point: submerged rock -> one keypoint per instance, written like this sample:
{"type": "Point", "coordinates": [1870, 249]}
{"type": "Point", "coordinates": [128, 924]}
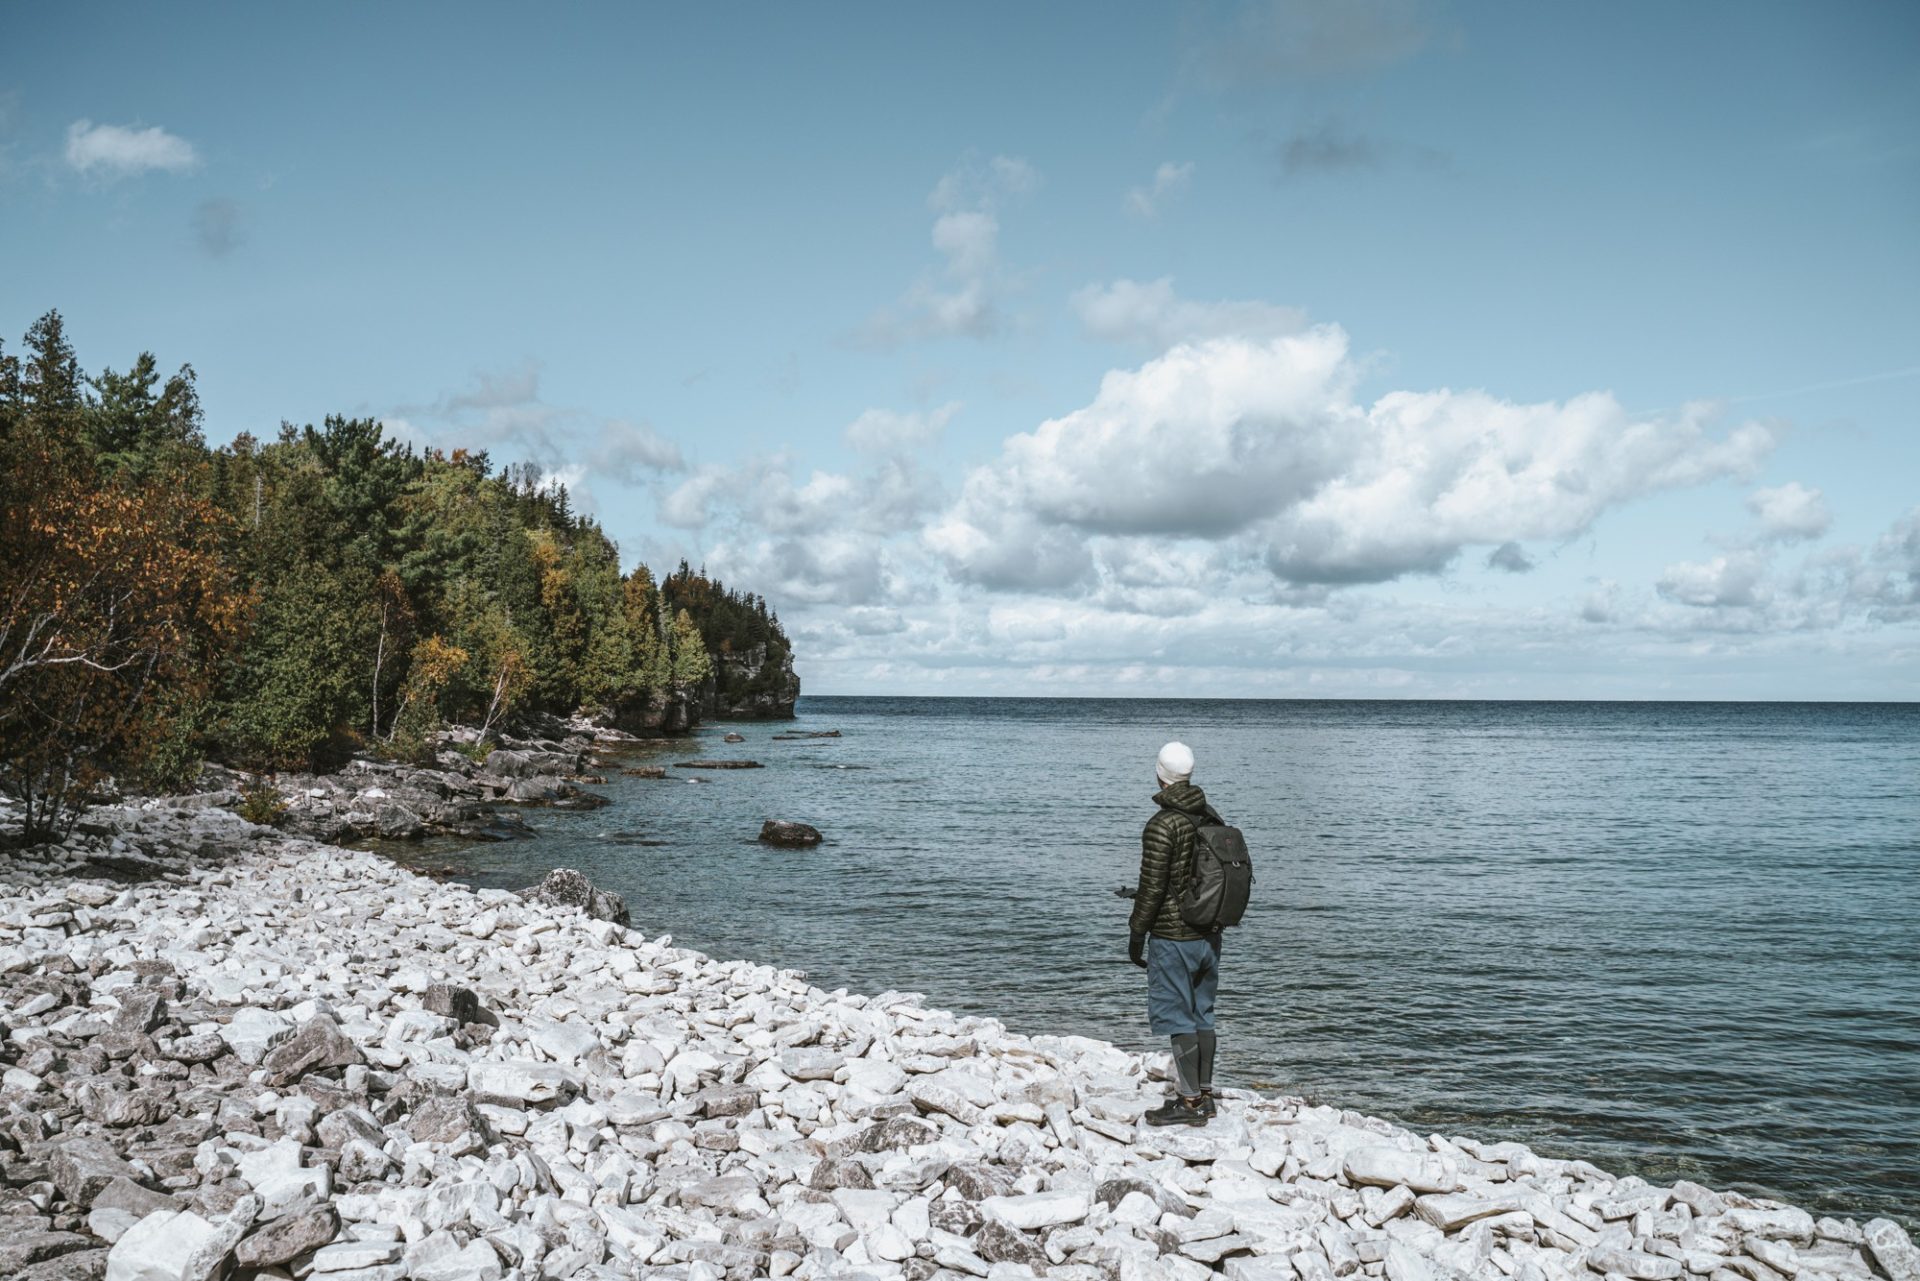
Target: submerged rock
{"type": "Point", "coordinates": [789, 835]}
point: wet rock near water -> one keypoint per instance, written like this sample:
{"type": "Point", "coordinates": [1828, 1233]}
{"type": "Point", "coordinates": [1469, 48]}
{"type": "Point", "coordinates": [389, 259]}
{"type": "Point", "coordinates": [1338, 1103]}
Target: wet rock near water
{"type": "Point", "coordinates": [565, 887]}
{"type": "Point", "coordinates": [717, 764]}
{"type": "Point", "coordinates": [258, 1056]}
{"type": "Point", "coordinates": [461, 794]}
{"type": "Point", "coordinates": [788, 835]}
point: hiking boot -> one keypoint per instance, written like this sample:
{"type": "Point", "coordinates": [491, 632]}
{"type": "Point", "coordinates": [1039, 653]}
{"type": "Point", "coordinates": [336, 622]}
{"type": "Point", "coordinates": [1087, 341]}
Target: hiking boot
{"type": "Point", "coordinates": [1208, 1107]}
{"type": "Point", "coordinates": [1177, 1111]}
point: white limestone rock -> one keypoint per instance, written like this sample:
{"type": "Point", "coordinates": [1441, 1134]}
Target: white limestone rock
{"type": "Point", "coordinates": [1892, 1250]}
{"type": "Point", "coordinates": [521, 1081]}
{"type": "Point", "coordinates": [1387, 1167]}
{"type": "Point", "coordinates": [1040, 1209]}
{"type": "Point", "coordinates": [159, 1247]}
{"type": "Point", "coordinates": [253, 1031]}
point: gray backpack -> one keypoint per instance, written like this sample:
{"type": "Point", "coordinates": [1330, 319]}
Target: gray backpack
{"type": "Point", "coordinates": [1221, 880]}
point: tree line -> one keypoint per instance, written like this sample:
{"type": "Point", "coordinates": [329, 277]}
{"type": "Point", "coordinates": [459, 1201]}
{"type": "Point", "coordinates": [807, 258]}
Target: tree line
{"type": "Point", "coordinates": [282, 604]}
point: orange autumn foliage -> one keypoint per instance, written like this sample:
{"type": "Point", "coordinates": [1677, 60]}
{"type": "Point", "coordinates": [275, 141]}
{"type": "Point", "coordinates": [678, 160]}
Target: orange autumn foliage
{"type": "Point", "coordinates": [109, 598]}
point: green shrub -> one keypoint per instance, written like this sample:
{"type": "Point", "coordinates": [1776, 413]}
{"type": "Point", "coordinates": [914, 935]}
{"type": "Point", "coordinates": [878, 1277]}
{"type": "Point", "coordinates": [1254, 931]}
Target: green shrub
{"type": "Point", "coordinates": [477, 752]}
{"type": "Point", "coordinates": [260, 803]}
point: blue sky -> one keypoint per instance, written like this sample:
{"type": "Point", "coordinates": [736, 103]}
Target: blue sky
{"type": "Point", "coordinates": [1265, 349]}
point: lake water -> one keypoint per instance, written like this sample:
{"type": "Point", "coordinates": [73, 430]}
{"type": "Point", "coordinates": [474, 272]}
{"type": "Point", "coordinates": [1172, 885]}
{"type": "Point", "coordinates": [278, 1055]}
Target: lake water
{"type": "Point", "coordinates": [1679, 940]}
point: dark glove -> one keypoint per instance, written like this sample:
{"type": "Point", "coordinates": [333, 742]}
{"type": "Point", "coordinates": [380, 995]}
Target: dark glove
{"type": "Point", "coordinates": [1137, 949]}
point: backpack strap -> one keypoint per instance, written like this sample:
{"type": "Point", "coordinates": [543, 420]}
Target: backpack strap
{"type": "Point", "coordinates": [1208, 816]}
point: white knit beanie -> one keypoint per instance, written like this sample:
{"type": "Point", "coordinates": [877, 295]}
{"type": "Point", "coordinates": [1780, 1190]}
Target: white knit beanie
{"type": "Point", "coordinates": [1175, 764]}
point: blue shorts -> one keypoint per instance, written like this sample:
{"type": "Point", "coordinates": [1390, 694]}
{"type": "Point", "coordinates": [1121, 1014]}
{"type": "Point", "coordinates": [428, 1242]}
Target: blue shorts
{"type": "Point", "coordinates": [1181, 978]}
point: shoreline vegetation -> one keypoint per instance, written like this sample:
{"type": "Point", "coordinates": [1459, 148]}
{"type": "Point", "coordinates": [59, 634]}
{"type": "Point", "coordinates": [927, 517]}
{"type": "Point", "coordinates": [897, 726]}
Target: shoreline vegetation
{"type": "Point", "coordinates": [235, 1051]}
{"type": "Point", "coordinates": [281, 605]}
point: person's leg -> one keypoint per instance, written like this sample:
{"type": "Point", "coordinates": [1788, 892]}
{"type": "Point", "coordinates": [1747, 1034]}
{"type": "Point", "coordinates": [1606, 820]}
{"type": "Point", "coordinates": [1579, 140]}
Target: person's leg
{"type": "Point", "coordinates": [1170, 1014]}
{"type": "Point", "coordinates": [1205, 985]}
{"type": "Point", "coordinates": [1186, 1064]}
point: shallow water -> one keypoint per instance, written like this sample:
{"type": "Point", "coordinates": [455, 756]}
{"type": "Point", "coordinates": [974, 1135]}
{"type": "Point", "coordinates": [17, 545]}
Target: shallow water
{"type": "Point", "coordinates": [1680, 940]}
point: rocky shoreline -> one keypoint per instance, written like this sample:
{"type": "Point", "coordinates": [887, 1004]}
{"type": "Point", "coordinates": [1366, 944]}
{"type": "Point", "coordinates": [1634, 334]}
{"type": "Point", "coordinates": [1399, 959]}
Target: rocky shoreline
{"type": "Point", "coordinates": [231, 1051]}
{"type": "Point", "coordinates": [464, 793]}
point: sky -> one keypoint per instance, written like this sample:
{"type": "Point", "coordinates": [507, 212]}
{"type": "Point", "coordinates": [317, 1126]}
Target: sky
{"type": "Point", "coordinates": [1388, 349]}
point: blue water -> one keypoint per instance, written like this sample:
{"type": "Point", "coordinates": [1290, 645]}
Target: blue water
{"type": "Point", "coordinates": [1680, 940]}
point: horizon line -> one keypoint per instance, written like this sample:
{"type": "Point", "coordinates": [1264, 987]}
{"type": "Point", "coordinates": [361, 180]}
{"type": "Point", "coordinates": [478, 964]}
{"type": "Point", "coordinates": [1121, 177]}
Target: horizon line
{"type": "Point", "coordinates": [1364, 698]}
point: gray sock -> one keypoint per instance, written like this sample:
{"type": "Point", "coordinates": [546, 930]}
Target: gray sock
{"type": "Point", "coordinates": [1186, 1064]}
{"type": "Point", "coordinates": [1206, 1061]}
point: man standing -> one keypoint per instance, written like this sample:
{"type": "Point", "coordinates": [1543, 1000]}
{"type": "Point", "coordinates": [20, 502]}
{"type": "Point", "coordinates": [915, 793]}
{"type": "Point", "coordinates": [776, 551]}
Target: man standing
{"type": "Point", "coordinates": [1182, 963]}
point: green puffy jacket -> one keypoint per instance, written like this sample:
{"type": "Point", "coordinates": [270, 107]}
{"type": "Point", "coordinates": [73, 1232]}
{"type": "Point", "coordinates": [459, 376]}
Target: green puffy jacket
{"type": "Point", "coordinates": [1166, 862]}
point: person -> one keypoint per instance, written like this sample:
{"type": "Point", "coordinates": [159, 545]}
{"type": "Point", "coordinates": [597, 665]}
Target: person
{"type": "Point", "coordinates": [1182, 963]}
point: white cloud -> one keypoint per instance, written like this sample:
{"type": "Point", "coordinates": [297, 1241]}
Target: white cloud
{"type": "Point", "coordinates": [998, 547]}
{"type": "Point", "coordinates": [1231, 515]}
{"type": "Point", "coordinates": [1169, 180]}
{"type": "Point", "coordinates": [1149, 314]}
{"type": "Point", "coordinates": [832, 538]}
{"type": "Point", "coordinates": [889, 498]}
{"type": "Point", "coordinates": [964, 298]}
{"type": "Point", "coordinates": [628, 450]}
{"type": "Point", "coordinates": [1882, 581]}
{"type": "Point", "coordinates": [974, 184]}
{"type": "Point", "coordinates": [1511, 557]}
{"type": "Point", "coordinates": [887, 431]}
{"type": "Point", "coordinates": [1896, 557]}
{"type": "Point", "coordinates": [119, 151]}
{"type": "Point", "coordinates": [690, 504]}
{"type": "Point", "coordinates": [1831, 593]}
{"type": "Point", "coordinates": [502, 411]}
{"type": "Point", "coordinates": [1732, 580]}
{"type": "Point", "coordinates": [1263, 444]}
{"type": "Point", "coordinates": [832, 568]}
{"type": "Point", "coordinates": [1790, 512]}
{"type": "Point", "coordinates": [1602, 604]}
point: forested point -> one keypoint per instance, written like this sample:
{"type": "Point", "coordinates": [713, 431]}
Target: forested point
{"type": "Point", "coordinates": [284, 604]}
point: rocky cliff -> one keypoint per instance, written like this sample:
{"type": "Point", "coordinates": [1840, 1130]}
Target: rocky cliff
{"type": "Point", "coordinates": [758, 684]}
{"type": "Point", "coordinates": [661, 711]}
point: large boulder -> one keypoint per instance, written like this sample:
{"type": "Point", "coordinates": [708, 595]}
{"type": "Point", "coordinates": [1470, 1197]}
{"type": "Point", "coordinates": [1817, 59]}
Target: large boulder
{"type": "Point", "coordinates": [1385, 1167]}
{"type": "Point", "coordinates": [288, 1237]}
{"type": "Point", "coordinates": [319, 1044]}
{"type": "Point", "coordinates": [1890, 1247]}
{"type": "Point", "coordinates": [159, 1247]}
{"type": "Point", "coordinates": [565, 887]}
{"type": "Point", "coordinates": [521, 1082]}
{"type": "Point", "coordinates": [21, 1250]}
{"type": "Point", "coordinates": [82, 1168]}
{"type": "Point", "coordinates": [252, 1032]}
{"type": "Point", "coordinates": [457, 1003]}
{"type": "Point", "coordinates": [508, 763]}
